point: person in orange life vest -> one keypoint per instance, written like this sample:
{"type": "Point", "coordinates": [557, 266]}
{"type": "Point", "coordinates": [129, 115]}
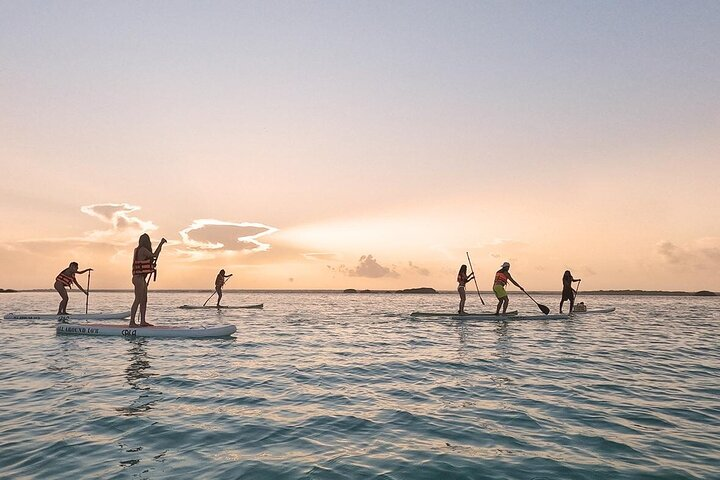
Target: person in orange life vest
{"type": "Point", "coordinates": [462, 279]}
{"type": "Point", "coordinates": [502, 276]}
{"type": "Point", "coordinates": [219, 282]}
{"type": "Point", "coordinates": [143, 264]}
{"type": "Point", "coordinates": [65, 279]}
{"type": "Point", "coordinates": [567, 292]}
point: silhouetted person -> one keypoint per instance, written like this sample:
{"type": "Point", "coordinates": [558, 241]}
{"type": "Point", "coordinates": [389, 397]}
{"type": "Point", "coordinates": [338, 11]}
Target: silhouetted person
{"type": "Point", "coordinates": [144, 260]}
{"type": "Point", "coordinates": [65, 279]}
{"type": "Point", "coordinates": [502, 277]}
{"type": "Point", "coordinates": [462, 279]}
{"type": "Point", "coordinates": [219, 282]}
{"type": "Point", "coordinates": [567, 292]}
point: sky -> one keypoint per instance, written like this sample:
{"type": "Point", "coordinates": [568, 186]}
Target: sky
{"type": "Point", "coordinates": [338, 144]}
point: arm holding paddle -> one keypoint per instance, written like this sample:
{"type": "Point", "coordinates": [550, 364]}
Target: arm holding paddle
{"type": "Point", "coordinates": [76, 282]}
{"type": "Point", "coordinates": [512, 280]}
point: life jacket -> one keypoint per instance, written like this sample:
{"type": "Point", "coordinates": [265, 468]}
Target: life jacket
{"type": "Point", "coordinates": [219, 281]}
{"type": "Point", "coordinates": [501, 278]}
{"type": "Point", "coordinates": [143, 267]}
{"type": "Point", "coordinates": [66, 280]}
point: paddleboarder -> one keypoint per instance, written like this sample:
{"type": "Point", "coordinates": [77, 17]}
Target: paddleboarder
{"type": "Point", "coordinates": [219, 283]}
{"type": "Point", "coordinates": [567, 292]}
{"type": "Point", "coordinates": [502, 277]}
{"type": "Point", "coordinates": [144, 264]}
{"type": "Point", "coordinates": [66, 278]}
{"type": "Point", "coordinates": [462, 279]}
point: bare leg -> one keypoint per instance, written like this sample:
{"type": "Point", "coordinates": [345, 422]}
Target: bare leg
{"type": "Point", "coordinates": [506, 302]}
{"type": "Point", "coordinates": [140, 292]}
{"type": "Point", "coordinates": [572, 302]}
{"type": "Point", "coordinates": [219, 295]}
{"type": "Point", "coordinates": [143, 306]}
{"type": "Point", "coordinates": [62, 308]}
{"type": "Point", "coordinates": [497, 310]}
{"type": "Point", "coordinates": [461, 309]}
{"type": "Point", "coordinates": [561, 304]}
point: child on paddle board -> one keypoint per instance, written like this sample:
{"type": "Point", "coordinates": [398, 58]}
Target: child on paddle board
{"type": "Point", "coordinates": [502, 276]}
{"type": "Point", "coordinates": [219, 283]}
{"type": "Point", "coordinates": [462, 279]}
{"type": "Point", "coordinates": [144, 264]}
{"type": "Point", "coordinates": [567, 292]}
{"type": "Point", "coordinates": [65, 279]}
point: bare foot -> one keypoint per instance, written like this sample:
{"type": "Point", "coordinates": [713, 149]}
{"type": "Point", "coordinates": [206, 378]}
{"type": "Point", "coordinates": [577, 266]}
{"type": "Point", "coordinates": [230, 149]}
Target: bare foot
{"type": "Point", "coordinates": [146, 325]}
{"type": "Point", "coordinates": [133, 324]}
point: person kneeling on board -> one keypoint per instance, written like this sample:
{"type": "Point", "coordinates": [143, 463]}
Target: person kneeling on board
{"type": "Point", "coordinates": [501, 279]}
{"type": "Point", "coordinates": [567, 292]}
{"type": "Point", "coordinates": [144, 264]}
{"type": "Point", "coordinates": [219, 283]}
{"type": "Point", "coordinates": [65, 279]}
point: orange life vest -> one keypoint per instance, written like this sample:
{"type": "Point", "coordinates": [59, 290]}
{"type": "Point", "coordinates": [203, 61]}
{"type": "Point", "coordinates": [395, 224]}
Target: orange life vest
{"type": "Point", "coordinates": [501, 278]}
{"type": "Point", "coordinates": [66, 280]}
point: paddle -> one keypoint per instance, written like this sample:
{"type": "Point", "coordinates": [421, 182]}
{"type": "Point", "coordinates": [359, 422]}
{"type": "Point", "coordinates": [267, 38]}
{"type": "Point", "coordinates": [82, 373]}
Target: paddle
{"type": "Point", "coordinates": [87, 293]}
{"type": "Point", "coordinates": [472, 271]}
{"type": "Point", "coordinates": [155, 260]}
{"type": "Point", "coordinates": [576, 292]}
{"type": "Point", "coordinates": [542, 308]}
{"type": "Point", "coordinates": [213, 294]}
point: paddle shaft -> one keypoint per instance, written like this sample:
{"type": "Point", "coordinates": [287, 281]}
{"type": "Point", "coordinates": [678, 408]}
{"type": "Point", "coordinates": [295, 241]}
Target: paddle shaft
{"type": "Point", "coordinates": [576, 292]}
{"type": "Point", "coordinates": [542, 308]}
{"type": "Point", "coordinates": [472, 270]}
{"type": "Point", "coordinates": [87, 294]}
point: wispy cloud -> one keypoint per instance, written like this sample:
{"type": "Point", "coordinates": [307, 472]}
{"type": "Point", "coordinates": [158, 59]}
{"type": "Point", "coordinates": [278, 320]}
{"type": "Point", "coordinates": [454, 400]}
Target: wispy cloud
{"type": "Point", "coordinates": [121, 218]}
{"type": "Point", "coordinates": [206, 238]}
{"type": "Point", "coordinates": [701, 254]}
{"type": "Point", "coordinates": [368, 267]}
{"type": "Point", "coordinates": [416, 269]}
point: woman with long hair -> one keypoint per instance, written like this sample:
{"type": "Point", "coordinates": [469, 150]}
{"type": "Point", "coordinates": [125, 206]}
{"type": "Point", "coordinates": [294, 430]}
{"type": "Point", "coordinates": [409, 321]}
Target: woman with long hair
{"type": "Point", "coordinates": [462, 279]}
{"type": "Point", "coordinates": [144, 264]}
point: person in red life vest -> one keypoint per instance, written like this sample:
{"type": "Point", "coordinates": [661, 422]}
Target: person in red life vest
{"type": "Point", "coordinates": [144, 260]}
{"type": "Point", "coordinates": [567, 292]}
{"type": "Point", "coordinates": [219, 282]}
{"type": "Point", "coordinates": [502, 277]}
{"type": "Point", "coordinates": [462, 279]}
{"type": "Point", "coordinates": [65, 279]}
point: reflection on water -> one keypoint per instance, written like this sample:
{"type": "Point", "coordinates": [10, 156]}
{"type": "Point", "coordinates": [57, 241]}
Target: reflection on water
{"type": "Point", "coordinates": [136, 373]}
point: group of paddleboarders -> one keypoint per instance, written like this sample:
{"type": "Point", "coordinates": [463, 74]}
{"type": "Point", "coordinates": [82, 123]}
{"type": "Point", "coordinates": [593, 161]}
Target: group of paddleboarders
{"type": "Point", "coordinates": [144, 267]}
{"type": "Point", "coordinates": [502, 277]}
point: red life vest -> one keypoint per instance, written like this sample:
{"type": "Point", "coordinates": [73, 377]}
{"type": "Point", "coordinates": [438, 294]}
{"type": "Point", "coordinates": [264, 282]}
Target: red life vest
{"type": "Point", "coordinates": [142, 267]}
{"type": "Point", "coordinates": [66, 280]}
{"type": "Point", "coordinates": [501, 278]}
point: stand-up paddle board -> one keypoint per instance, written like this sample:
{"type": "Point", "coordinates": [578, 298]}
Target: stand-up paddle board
{"type": "Point", "coordinates": [557, 316]}
{"type": "Point", "coordinates": [64, 318]}
{"type": "Point", "coordinates": [215, 307]}
{"type": "Point", "coordinates": [455, 314]}
{"type": "Point", "coordinates": [98, 329]}
{"type": "Point", "coordinates": [597, 310]}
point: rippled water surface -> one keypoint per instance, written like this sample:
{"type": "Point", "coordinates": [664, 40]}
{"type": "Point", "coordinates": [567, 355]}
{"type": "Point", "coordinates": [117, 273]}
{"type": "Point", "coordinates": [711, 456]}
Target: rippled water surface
{"type": "Point", "coordinates": [335, 386]}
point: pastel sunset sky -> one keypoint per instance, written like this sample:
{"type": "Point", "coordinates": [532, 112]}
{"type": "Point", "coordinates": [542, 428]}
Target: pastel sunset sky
{"type": "Point", "coordinates": [338, 144]}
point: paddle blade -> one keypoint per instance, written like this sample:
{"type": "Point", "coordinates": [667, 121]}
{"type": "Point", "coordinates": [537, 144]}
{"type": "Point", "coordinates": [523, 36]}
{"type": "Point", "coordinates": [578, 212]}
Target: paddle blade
{"type": "Point", "coordinates": [544, 309]}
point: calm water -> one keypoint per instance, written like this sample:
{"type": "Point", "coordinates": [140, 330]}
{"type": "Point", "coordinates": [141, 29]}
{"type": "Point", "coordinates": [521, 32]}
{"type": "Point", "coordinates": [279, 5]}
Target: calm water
{"type": "Point", "coordinates": [335, 386]}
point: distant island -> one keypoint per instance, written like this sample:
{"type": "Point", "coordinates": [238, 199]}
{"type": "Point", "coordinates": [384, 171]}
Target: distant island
{"type": "Point", "coordinates": [406, 290]}
{"type": "Point", "coordinates": [7, 290]}
{"type": "Point", "coordinates": [705, 293]}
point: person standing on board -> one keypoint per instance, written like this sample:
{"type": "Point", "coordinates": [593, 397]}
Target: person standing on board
{"type": "Point", "coordinates": [144, 260]}
{"type": "Point", "coordinates": [567, 292]}
{"type": "Point", "coordinates": [462, 279]}
{"type": "Point", "coordinates": [65, 279]}
{"type": "Point", "coordinates": [501, 279]}
{"type": "Point", "coordinates": [219, 283]}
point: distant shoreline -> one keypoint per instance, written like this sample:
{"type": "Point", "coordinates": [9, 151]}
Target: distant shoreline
{"type": "Point", "coordinates": [655, 293]}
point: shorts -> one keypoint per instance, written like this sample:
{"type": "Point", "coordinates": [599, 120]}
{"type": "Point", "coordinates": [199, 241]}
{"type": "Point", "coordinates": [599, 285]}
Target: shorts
{"type": "Point", "coordinates": [500, 292]}
{"type": "Point", "coordinates": [567, 294]}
